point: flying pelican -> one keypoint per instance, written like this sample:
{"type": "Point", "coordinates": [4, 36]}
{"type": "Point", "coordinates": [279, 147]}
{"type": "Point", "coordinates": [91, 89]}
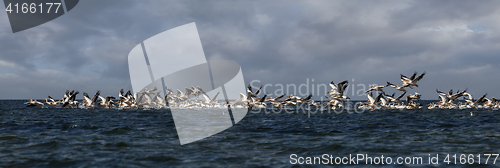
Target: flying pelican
{"type": "Point", "coordinates": [52, 102]}
{"type": "Point", "coordinates": [71, 100]}
{"type": "Point", "coordinates": [91, 102]}
{"type": "Point", "coordinates": [375, 88]}
{"type": "Point", "coordinates": [396, 100]}
{"type": "Point", "coordinates": [474, 104]}
{"type": "Point", "coordinates": [412, 81]}
{"type": "Point", "coordinates": [338, 90]}
{"type": "Point", "coordinates": [107, 102]}
{"type": "Point", "coordinates": [400, 88]}
{"type": "Point", "coordinates": [372, 102]}
{"type": "Point", "coordinates": [250, 92]}
{"type": "Point", "coordinates": [453, 97]}
{"type": "Point", "coordinates": [304, 100]}
{"type": "Point", "coordinates": [32, 103]}
{"type": "Point", "coordinates": [410, 97]}
{"type": "Point", "coordinates": [208, 100]}
{"type": "Point", "coordinates": [277, 99]}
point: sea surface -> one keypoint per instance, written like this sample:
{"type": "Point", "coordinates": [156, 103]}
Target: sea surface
{"type": "Point", "coordinates": [49, 137]}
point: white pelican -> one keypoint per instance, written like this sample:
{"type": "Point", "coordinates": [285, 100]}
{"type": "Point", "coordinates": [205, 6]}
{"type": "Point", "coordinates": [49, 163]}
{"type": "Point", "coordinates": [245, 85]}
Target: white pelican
{"type": "Point", "coordinates": [52, 102]}
{"type": "Point", "coordinates": [412, 81]}
{"type": "Point", "coordinates": [453, 97]}
{"type": "Point", "coordinates": [316, 104]}
{"type": "Point", "coordinates": [304, 100]}
{"type": "Point", "coordinates": [107, 102]}
{"type": "Point", "coordinates": [375, 88]}
{"type": "Point", "coordinates": [400, 88]}
{"type": "Point", "coordinates": [338, 90]}
{"type": "Point", "coordinates": [490, 103]}
{"type": "Point", "coordinates": [333, 103]}
{"type": "Point", "coordinates": [277, 99]}
{"type": "Point", "coordinates": [70, 101]}
{"type": "Point", "coordinates": [250, 92]}
{"type": "Point", "coordinates": [208, 100]}
{"type": "Point", "coordinates": [371, 103]}
{"type": "Point", "coordinates": [32, 103]}
{"type": "Point", "coordinates": [90, 102]}
{"type": "Point", "coordinates": [474, 104]}
{"type": "Point", "coordinates": [410, 97]}
{"type": "Point", "coordinates": [393, 100]}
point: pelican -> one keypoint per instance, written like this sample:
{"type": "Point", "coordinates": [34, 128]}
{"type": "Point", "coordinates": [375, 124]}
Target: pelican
{"type": "Point", "coordinates": [277, 99]}
{"type": "Point", "coordinates": [304, 100]}
{"type": "Point", "coordinates": [258, 103]}
{"type": "Point", "coordinates": [490, 103]}
{"type": "Point", "coordinates": [250, 92]}
{"type": "Point", "coordinates": [396, 100]}
{"type": "Point", "coordinates": [70, 100]}
{"type": "Point", "coordinates": [333, 103]}
{"type": "Point", "coordinates": [88, 102]}
{"type": "Point", "coordinates": [474, 104]}
{"type": "Point", "coordinates": [372, 102]}
{"type": "Point", "coordinates": [453, 97]}
{"type": "Point", "coordinates": [411, 97]}
{"type": "Point", "coordinates": [400, 88]}
{"type": "Point", "coordinates": [383, 101]}
{"type": "Point", "coordinates": [52, 102]}
{"type": "Point", "coordinates": [338, 89]}
{"type": "Point", "coordinates": [33, 103]}
{"type": "Point", "coordinates": [106, 102]}
{"type": "Point", "coordinates": [316, 104]}
{"type": "Point", "coordinates": [210, 101]}
{"type": "Point", "coordinates": [374, 88]}
{"type": "Point", "coordinates": [412, 81]}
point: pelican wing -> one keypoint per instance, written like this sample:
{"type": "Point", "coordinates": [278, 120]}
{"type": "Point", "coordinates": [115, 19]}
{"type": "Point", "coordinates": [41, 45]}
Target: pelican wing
{"type": "Point", "coordinates": [420, 77]}
{"type": "Point", "coordinates": [258, 91]}
{"type": "Point", "coordinates": [343, 83]}
{"type": "Point", "coordinates": [334, 87]}
{"type": "Point", "coordinates": [215, 97]}
{"type": "Point", "coordinates": [400, 96]}
{"type": "Point", "coordinates": [377, 99]}
{"type": "Point", "coordinates": [404, 78]}
{"type": "Point", "coordinates": [96, 96]}
{"type": "Point", "coordinates": [87, 98]}
{"type": "Point", "coordinates": [263, 98]}
{"type": "Point", "coordinates": [441, 93]}
{"type": "Point", "coordinates": [279, 97]}
{"type": "Point", "coordinates": [370, 98]}
{"type": "Point", "coordinates": [50, 98]}
{"type": "Point", "coordinates": [307, 98]}
{"type": "Point", "coordinates": [413, 76]}
{"type": "Point", "coordinates": [480, 99]}
{"type": "Point", "coordinates": [207, 98]}
{"type": "Point", "coordinates": [188, 92]}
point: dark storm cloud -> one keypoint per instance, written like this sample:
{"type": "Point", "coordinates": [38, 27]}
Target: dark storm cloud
{"type": "Point", "coordinates": [274, 41]}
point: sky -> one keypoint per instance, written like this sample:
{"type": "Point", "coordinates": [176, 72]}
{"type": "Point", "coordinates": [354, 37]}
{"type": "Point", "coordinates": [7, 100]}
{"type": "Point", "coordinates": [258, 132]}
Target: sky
{"type": "Point", "coordinates": [457, 44]}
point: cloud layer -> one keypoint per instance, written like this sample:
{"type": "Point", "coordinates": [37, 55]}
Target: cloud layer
{"type": "Point", "coordinates": [275, 42]}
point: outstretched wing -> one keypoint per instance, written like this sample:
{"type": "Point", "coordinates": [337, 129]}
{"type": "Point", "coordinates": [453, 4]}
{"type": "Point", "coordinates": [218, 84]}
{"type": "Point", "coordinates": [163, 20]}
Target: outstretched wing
{"type": "Point", "coordinates": [400, 96]}
{"type": "Point", "coordinates": [96, 96]}
{"type": "Point", "coordinates": [413, 76]}
{"type": "Point", "coordinates": [420, 76]}
{"type": "Point", "coordinates": [86, 96]}
{"type": "Point", "coordinates": [215, 97]}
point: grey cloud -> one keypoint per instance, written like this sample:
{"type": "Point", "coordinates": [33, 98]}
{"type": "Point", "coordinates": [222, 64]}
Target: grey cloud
{"type": "Point", "coordinates": [275, 42]}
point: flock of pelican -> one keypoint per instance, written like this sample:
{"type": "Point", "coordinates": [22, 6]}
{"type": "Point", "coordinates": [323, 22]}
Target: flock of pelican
{"type": "Point", "coordinates": [149, 99]}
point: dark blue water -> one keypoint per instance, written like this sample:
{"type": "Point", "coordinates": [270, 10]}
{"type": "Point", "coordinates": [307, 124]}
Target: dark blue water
{"type": "Point", "coordinates": [139, 138]}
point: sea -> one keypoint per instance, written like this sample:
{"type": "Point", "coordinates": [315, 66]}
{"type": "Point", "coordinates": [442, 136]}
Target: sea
{"type": "Point", "coordinates": [52, 137]}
